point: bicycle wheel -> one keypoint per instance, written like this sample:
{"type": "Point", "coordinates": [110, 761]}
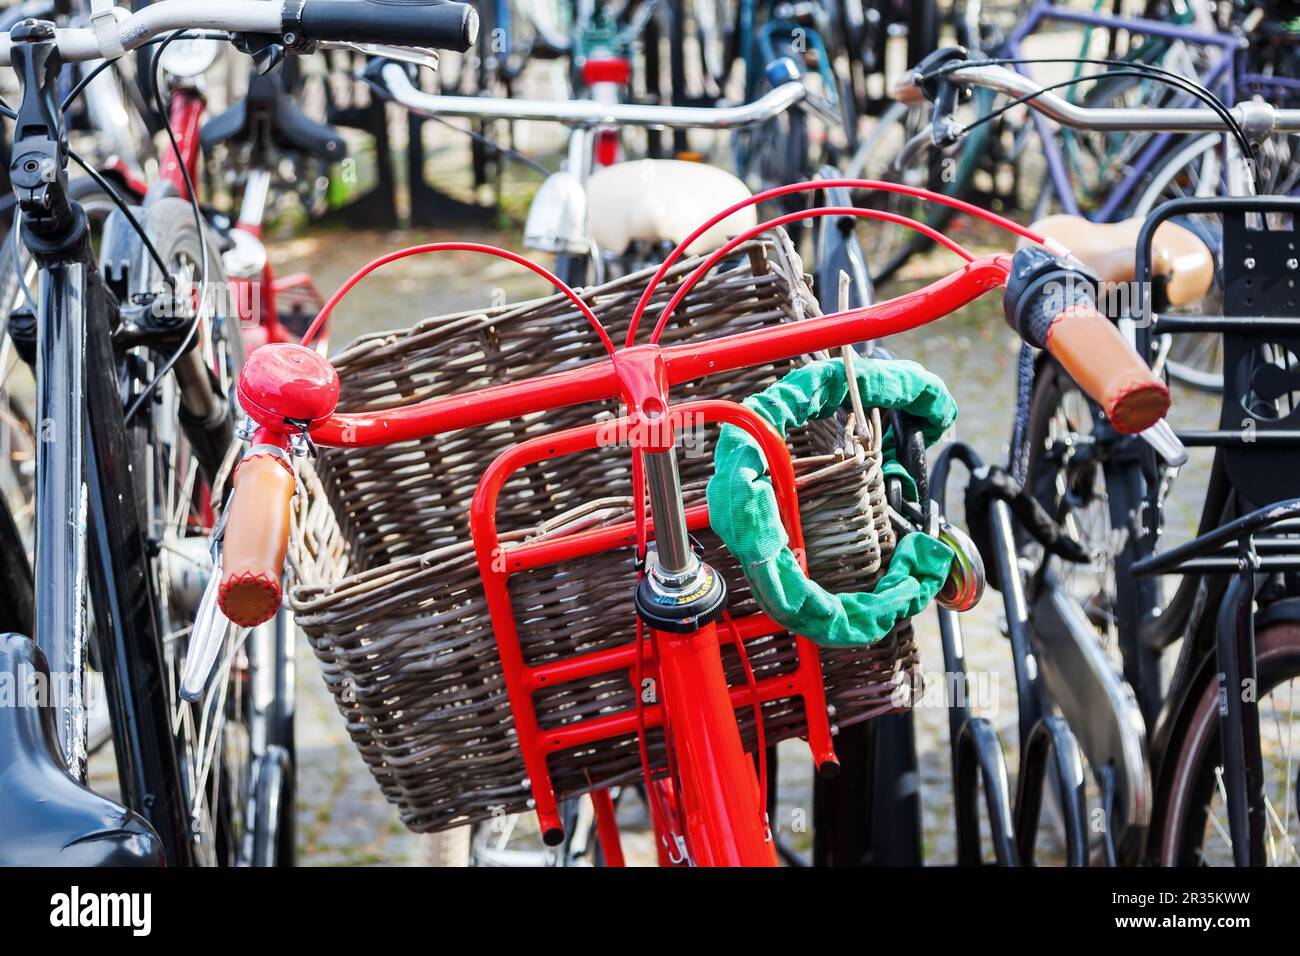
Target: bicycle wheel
{"type": "Point", "coordinates": [1092, 485]}
{"type": "Point", "coordinates": [888, 247]}
{"type": "Point", "coordinates": [234, 746]}
{"type": "Point", "coordinates": [512, 840]}
{"type": "Point", "coordinates": [1062, 471]}
{"type": "Point", "coordinates": [1195, 831]}
{"type": "Point", "coordinates": [552, 24]}
{"type": "Point", "coordinates": [715, 23]}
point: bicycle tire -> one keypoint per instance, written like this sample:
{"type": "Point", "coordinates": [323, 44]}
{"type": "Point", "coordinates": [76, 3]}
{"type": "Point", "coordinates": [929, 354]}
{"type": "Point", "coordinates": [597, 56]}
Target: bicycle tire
{"type": "Point", "coordinates": [238, 773]}
{"type": "Point", "coordinates": [553, 38]}
{"type": "Point", "coordinates": [1061, 418]}
{"type": "Point", "coordinates": [1186, 807]}
{"type": "Point", "coordinates": [874, 160]}
{"type": "Point", "coordinates": [714, 32]}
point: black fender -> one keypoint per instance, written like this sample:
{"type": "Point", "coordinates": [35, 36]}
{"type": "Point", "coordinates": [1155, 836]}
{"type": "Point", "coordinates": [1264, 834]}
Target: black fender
{"type": "Point", "coordinates": [48, 817]}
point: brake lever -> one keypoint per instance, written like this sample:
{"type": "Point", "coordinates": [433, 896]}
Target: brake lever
{"type": "Point", "coordinates": [416, 56]}
{"type": "Point", "coordinates": [923, 80]}
{"type": "Point", "coordinates": [207, 642]}
{"type": "Point", "coordinates": [926, 82]}
{"type": "Point", "coordinates": [944, 130]}
{"type": "Point", "coordinates": [1166, 443]}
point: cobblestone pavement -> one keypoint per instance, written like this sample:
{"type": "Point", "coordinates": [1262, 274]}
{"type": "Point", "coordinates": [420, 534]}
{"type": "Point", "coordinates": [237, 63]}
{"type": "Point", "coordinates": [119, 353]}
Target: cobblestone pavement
{"type": "Point", "coordinates": [343, 818]}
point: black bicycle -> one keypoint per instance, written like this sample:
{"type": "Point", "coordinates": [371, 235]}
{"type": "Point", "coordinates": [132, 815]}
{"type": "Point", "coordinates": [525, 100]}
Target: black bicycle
{"type": "Point", "coordinates": [1194, 763]}
{"type": "Point", "coordinates": [134, 358]}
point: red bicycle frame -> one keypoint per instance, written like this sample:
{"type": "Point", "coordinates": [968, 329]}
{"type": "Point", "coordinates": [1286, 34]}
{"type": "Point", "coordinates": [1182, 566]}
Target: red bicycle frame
{"type": "Point", "coordinates": [722, 817]}
{"type": "Point", "coordinates": [185, 114]}
{"type": "Point", "coordinates": [257, 300]}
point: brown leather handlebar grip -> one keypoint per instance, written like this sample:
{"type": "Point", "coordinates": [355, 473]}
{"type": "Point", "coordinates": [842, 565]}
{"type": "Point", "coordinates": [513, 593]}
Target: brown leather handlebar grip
{"type": "Point", "coordinates": [256, 539]}
{"type": "Point", "coordinates": [1106, 367]}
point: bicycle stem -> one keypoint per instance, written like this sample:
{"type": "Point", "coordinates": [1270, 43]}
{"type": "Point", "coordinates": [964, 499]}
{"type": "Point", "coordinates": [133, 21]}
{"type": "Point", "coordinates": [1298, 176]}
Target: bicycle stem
{"type": "Point", "coordinates": [676, 563]}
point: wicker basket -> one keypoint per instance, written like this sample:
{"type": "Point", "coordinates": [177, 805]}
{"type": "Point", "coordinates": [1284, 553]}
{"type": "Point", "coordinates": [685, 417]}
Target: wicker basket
{"type": "Point", "coordinates": [387, 585]}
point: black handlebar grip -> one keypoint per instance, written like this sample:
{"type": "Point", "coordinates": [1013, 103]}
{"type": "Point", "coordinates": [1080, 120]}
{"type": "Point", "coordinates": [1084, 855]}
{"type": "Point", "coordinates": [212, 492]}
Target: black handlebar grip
{"type": "Point", "coordinates": [435, 24]}
{"type": "Point", "coordinates": [1053, 306]}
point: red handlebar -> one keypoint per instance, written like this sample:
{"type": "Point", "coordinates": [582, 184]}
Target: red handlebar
{"type": "Point", "coordinates": [683, 363]}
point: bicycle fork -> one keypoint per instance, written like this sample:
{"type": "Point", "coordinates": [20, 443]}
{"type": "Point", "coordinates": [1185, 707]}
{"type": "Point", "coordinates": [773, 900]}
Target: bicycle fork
{"type": "Point", "coordinates": [681, 599]}
{"type": "Point", "coordinates": [90, 545]}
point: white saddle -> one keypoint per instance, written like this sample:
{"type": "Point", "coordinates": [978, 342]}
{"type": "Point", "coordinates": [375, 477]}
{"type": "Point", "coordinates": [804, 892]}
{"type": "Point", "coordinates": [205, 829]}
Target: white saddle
{"type": "Point", "coordinates": [664, 200]}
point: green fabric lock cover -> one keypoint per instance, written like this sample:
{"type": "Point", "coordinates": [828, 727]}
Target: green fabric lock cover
{"type": "Point", "coordinates": [743, 510]}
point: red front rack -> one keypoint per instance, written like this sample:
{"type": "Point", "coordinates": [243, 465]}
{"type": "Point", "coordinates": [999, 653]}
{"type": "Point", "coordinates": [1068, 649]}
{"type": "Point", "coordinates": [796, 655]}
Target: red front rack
{"type": "Point", "coordinates": [497, 563]}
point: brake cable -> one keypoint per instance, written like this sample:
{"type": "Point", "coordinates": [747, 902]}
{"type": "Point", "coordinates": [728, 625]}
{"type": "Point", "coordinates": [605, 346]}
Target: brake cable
{"type": "Point", "coordinates": [109, 189]}
{"type": "Point", "coordinates": [1144, 71]}
{"type": "Point", "coordinates": [117, 199]}
{"type": "Point", "coordinates": [199, 225]}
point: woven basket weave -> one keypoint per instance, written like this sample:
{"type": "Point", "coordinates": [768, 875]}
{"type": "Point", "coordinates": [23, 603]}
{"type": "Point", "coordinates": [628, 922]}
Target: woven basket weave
{"type": "Point", "coordinates": [387, 586]}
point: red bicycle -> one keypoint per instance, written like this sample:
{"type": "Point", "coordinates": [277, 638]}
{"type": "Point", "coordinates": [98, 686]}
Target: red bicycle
{"type": "Point", "coordinates": [261, 126]}
{"type": "Point", "coordinates": [291, 393]}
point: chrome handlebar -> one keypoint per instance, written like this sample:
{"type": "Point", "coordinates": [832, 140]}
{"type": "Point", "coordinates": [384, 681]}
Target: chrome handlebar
{"type": "Point", "coordinates": [588, 112]}
{"type": "Point", "coordinates": [115, 31]}
{"type": "Point", "coordinates": [298, 24]}
{"type": "Point", "coordinates": [1257, 118]}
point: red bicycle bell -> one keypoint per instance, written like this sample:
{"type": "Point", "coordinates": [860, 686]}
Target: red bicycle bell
{"type": "Point", "coordinates": [285, 384]}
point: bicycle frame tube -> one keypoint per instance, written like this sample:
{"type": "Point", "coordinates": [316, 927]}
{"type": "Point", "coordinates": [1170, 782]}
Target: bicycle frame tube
{"type": "Point", "coordinates": [1046, 10]}
{"type": "Point", "coordinates": [720, 794]}
{"type": "Point", "coordinates": [185, 116]}
{"type": "Point", "coordinates": [60, 566]}
{"type": "Point", "coordinates": [1243, 769]}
